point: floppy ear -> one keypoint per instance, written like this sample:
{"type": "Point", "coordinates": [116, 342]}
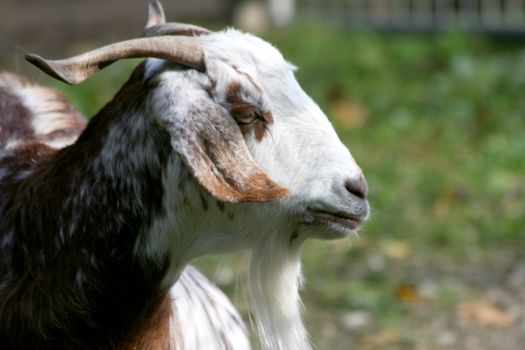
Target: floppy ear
{"type": "Point", "coordinates": [211, 144]}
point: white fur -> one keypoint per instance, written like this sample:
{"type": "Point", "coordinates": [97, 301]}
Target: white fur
{"type": "Point", "coordinates": [274, 281]}
{"type": "Point", "coordinates": [204, 316]}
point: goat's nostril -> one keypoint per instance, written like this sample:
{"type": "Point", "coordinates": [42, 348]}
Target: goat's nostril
{"type": "Point", "coordinates": [358, 187]}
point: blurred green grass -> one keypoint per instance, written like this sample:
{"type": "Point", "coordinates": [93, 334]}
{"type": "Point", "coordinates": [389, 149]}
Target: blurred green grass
{"type": "Point", "coordinates": [437, 122]}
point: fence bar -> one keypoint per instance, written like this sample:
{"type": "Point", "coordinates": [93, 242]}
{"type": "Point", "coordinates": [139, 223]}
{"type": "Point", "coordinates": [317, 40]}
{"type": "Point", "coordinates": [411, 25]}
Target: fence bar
{"type": "Point", "coordinates": [422, 16]}
{"type": "Point", "coordinates": [505, 16]}
{"type": "Point", "coordinates": [513, 13]}
{"type": "Point", "coordinates": [444, 13]}
{"type": "Point", "coordinates": [468, 14]}
{"type": "Point", "coordinates": [399, 13]}
{"type": "Point", "coordinates": [358, 13]}
{"type": "Point", "coordinates": [491, 15]}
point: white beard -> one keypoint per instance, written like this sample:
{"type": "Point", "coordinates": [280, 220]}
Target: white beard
{"type": "Point", "coordinates": [273, 285]}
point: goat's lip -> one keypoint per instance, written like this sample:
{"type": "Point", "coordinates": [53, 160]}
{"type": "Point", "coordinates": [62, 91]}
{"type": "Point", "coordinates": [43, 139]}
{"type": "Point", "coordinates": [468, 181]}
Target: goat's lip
{"type": "Point", "coordinates": [340, 219]}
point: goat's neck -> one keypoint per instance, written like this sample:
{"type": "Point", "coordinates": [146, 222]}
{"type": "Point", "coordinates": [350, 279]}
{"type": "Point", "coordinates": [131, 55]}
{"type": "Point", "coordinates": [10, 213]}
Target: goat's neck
{"type": "Point", "coordinates": [72, 218]}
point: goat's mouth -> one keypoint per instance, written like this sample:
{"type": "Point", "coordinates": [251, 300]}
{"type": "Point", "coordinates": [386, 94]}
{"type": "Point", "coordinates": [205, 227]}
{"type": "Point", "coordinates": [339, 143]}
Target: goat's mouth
{"type": "Point", "coordinates": [339, 223]}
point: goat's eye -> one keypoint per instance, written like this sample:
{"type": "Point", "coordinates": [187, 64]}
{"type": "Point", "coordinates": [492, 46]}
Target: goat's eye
{"type": "Point", "coordinates": [246, 118]}
{"type": "Point", "coordinates": [251, 119]}
{"type": "Point", "coordinates": [245, 114]}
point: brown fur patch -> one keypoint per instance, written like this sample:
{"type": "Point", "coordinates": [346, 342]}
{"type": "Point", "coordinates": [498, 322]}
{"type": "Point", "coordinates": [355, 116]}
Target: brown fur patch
{"type": "Point", "coordinates": [15, 118]}
{"type": "Point", "coordinates": [230, 174]}
{"type": "Point", "coordinates": [242, 110]}
{"type": "Point", "coordinates": [24, 105]}
{"type": "Point", "coordinates": [215, 152]}
{"type": "Point", "coordinates": [153, 330]}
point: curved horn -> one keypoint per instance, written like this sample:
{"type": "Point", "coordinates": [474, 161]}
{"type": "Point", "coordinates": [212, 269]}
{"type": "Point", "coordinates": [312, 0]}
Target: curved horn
{"type": "Point", "coordinates": [183, 50]}
{"type": "Point", "coordinates": [155, 14]}
{"type": "Point", "coordinates": [157, 26]}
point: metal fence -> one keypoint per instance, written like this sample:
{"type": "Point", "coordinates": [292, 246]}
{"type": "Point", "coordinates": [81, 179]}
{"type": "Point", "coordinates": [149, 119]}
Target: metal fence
{"type": "Point", "coordinates": [499, 16]}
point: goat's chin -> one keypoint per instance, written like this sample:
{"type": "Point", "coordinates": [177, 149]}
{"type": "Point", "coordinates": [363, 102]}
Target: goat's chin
{"type": "Point", "coordinates": [273, 286]}
{"type": "Point", "coordinates": [325, 232]}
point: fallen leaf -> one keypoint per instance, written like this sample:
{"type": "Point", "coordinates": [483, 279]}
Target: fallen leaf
{"type": "Point", "coordinates": [407, 293]}
{"type": "Point", "coordinates": [484, 314]}
{"type": "Point", "coordinates": [395, 249]}
{"type": "Point", "coordinates": [381, 340]}
{"type": "Point", "coordinates": [449, 197]}
{"type": "Point", "coordinates": [349, 115]}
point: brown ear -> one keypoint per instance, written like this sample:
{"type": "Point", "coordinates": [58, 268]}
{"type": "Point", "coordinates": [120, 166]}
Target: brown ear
{"type": "Point", "coordinates": [211, 145]}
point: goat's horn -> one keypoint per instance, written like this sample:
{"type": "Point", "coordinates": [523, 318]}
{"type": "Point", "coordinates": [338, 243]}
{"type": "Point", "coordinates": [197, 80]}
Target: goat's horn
{"type": "Point", "coordinates": [175, 29]}
{"type": "Point", "coordinates": [183, 50]}
{"type": "Point", "coordinates": [155, 14]}
{"type": "Point", "coordinates": [157, 26]}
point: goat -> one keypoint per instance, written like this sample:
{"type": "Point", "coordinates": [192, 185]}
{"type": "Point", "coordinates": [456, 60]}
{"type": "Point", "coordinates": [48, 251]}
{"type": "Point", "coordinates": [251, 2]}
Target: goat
{"type": "Point", "coordinates": [31, 113]}
{"type": "Point", "coordinates": [210, 146]}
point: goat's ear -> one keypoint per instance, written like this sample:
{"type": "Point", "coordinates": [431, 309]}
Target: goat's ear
{"type": "Point", "coordinates": [211, 145]}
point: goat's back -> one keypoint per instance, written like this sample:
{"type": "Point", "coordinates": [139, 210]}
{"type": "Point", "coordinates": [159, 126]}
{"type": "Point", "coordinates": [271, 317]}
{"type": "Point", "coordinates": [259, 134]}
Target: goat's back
{"type": "Point", "coordinates": [34, 114]}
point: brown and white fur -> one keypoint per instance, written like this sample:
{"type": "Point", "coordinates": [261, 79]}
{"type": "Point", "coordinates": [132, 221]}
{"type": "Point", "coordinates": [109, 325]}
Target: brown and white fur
{"type": "Point", "coordinates": [197, 315]}
{"type": "Point", "coordinates": [181, 163]}
{"type": "Point", "coordinates": [35, 114]}
{"type": "Point", "coordinates": [200, 315]}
